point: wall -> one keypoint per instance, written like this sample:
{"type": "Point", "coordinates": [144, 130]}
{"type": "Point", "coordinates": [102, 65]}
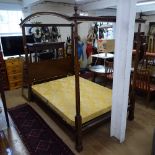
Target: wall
{"type": "Point", "coordinates": [149, 19]}
{"type": "Point", "coordinates": [145, 26]}
{"type": "Point", "coordinates": [60, 8]}
{"type": "Point", "coordinates": [106, 12]}
{"type": "Point", "coordinates": [112, 12]}
{"type": "Point", "coordinates": [10, 5]}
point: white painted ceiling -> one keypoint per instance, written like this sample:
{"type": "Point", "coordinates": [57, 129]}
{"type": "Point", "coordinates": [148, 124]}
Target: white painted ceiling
{"type": "Point", "coordinates": [93, 5]}
{"type": "Point", "coordinates": [80, 2]}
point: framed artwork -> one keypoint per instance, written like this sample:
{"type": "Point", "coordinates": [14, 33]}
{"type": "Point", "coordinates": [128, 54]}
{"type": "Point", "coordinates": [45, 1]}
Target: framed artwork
{"type": "Point", "coordinates": [151, 38]}
{"type": "Point", "coordinates": [152, 28]}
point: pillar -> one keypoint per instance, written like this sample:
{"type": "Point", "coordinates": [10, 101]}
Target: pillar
{"type": "Point", "coordinates": [125, 21]}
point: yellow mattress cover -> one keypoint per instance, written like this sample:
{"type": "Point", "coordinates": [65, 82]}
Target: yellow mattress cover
{"type": "Point", "coordinates": [60, 96]}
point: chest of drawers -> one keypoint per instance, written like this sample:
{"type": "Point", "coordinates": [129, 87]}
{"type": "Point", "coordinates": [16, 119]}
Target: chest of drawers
{"type": "Point", "coordinates": [14, 71]}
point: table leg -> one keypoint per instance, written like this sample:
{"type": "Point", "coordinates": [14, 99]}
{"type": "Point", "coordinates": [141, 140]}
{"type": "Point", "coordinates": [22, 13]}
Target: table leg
{"type": "Point", "coordinates": [94, 77]}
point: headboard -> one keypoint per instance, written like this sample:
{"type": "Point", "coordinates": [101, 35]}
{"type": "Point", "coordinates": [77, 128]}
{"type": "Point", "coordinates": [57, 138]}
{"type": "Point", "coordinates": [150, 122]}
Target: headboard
{"type": "Point", "coordinates": [49, 69]}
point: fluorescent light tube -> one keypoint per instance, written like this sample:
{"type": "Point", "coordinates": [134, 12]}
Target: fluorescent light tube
{"type": "Point", "coordinates": [145, 3]}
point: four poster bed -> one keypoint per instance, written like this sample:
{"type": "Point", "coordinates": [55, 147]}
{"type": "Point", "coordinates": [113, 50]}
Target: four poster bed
{"type": "Point", "coordinates": [74, 103]}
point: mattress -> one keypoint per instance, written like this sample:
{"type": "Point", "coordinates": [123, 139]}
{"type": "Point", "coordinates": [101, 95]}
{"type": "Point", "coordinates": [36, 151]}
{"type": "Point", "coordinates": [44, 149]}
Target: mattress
{"type": "Point", "coordinates": [95, 100]}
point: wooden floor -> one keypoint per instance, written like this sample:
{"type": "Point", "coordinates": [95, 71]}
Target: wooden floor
{"type": "Point", "coordinates": [138, 137]}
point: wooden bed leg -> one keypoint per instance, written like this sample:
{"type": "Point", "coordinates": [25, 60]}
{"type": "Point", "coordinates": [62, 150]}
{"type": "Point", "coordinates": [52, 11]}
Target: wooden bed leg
{"type": "Point", "coordinates": [131, 115]}
{"type": "Point", "coordinates": [78, 124]}
{"type": "Point", "coordinates": [132, 107]}
{"type": "Point", "coordinates": [29, 93]}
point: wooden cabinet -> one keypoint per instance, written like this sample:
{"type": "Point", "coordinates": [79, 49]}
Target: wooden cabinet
{"type": "Point", "coordinates": [14, 68]}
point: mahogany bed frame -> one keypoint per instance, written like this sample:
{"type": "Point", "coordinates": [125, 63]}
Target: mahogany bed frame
{"type": "Point", "coordinates": [52, 69]}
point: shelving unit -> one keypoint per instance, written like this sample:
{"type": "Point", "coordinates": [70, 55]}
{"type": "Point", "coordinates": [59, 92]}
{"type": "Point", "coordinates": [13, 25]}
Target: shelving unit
{"type": "Point", "coordinates": [39, 49]}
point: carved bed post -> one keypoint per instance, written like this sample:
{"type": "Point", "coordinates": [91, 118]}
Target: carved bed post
{"type": "Point", "coordinates": [78, 119]}
{"type": "Point", "coordinates": [24, 42]}
{"type": "Point", "coordinates": [72, 39]}
{"type": "Point", "coordinates": [25, 65]}
{"type": "Point", "coordinates": [132, 98]}
{"type": "Point", "coordinates": [4, 100]}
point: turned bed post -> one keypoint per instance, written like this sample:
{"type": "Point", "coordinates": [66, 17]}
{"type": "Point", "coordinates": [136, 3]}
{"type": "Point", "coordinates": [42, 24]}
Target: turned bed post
{"type": "Point", "coordinates": [25, 65]}
{"type": "Point", "coordinates": [78, 119]}
{"type": "Point", "coordinates": [24, 42]}
{"type": "Point", "coordinates": [136, 61]}
{"type": "Point", "coordinates": [4, 100]}
{"type": "Point", "coordinates": [72, 39]}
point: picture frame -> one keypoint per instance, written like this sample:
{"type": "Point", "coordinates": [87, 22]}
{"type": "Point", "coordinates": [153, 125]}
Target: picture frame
{"type": "Point", "coordinates": [151, 28]}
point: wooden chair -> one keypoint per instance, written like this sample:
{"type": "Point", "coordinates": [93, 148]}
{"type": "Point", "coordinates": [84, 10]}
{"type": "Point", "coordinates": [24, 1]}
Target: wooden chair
{"type": "Point", "coordinates": [87, 75]}
{"type": "Point", "coordinates": [150, 59]}
{"type": "Point", "coordinates": [142, 83]}
{"type": "Point", "coordinates": [109, 70]}
{"type": "Point", "coordinates": [105, 71]}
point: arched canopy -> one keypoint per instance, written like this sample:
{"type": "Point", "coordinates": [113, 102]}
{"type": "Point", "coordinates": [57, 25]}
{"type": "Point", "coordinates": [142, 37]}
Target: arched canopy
{"type": "Point", "coordinates": [28, 18]}
{"type": "Point", "coordinates": [69, 18]}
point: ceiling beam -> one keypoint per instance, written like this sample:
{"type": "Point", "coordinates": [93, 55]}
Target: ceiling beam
{"type": "Point", "coordinates": [102, 4]}
{"type": "Point", "coordinates": [29, 2]}
{"type": "Point", "coordinates": [10, 1]}
{"type": "Point", "coordinates": [145, 8]}
{"type": "Point", "coordinates": [105, 12]}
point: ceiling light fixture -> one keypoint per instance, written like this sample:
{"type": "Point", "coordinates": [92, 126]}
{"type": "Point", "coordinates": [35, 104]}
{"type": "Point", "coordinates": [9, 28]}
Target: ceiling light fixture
{"type": "Point", "coordinates": [145, 3]}
{"type": "Point", "coordinates": [83, 13]}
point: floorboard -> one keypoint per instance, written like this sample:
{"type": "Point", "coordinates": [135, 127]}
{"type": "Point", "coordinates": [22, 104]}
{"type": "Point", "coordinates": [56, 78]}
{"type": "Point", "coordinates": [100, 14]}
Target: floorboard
{"type": "Point", "coordinates": [138, 136]}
